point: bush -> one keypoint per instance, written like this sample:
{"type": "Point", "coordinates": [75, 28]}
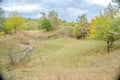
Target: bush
{"type": "Point", "coordinates": [45, 24]}
{"type": "Point", "coordinates": [76, 32]}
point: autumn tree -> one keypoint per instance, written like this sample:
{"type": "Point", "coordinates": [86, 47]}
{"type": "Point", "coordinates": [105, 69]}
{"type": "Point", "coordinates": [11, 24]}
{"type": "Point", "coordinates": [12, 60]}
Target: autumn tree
{"type": "Point", "coordinates": [14, 23]}
{"type": "Point", "coordinates": [106, 26]}
{"type": "Point", "coordinates": [53, 18]}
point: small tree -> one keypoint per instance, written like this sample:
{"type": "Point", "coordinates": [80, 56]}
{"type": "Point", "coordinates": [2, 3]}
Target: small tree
{"type": "Point", "coordinates": [106, 27]}
{"type": "Point", "coordinates": [53, 18]}
{"type": "Point", "coordinates": [14, 23]}
{"type": "Point", "coordinates": [45, 24]}
{"type": "Point", "coordinates": [83, 24]}
{"type": "Point", "coordinates": [76, 32]}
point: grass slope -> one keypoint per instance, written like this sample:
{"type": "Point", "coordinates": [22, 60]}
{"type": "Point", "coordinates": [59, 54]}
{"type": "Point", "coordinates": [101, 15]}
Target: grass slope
{"type": "Point", "coordinates": [67, 52]}
{"type": "Point", "coordinates": [68, 59]}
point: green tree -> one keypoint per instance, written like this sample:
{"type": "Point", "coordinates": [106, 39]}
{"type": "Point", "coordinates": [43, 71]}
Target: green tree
{"type": "Point", "coordinates": [117, 2]}
{"type": "Point", "coordinates": [76, 32]}
{"type": "Point", "coordinates": [44, 22]}
{"type": "Point", "coordinates": [106, 27]}
{"type": "Point", "coordinates": [43, 15]}
{"type": "Point", "coordinates": [14, 23]}
{"type": "Point", "coordinates": [110, 11]}
{"type": "Point", "coordinates": [53, 18]}
{"type": "Point", "coordinates": [83, 24]}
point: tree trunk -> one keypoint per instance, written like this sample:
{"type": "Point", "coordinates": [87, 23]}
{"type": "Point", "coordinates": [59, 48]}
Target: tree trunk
{"type": "Point", "coordinates": [109, 44]}
{"type": "Point", "coordinates": [15, 30]}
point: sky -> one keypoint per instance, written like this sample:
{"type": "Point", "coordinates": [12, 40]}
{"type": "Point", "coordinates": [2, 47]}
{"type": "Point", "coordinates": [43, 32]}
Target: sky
{"type": "Point", "coordinates": [68, 10]}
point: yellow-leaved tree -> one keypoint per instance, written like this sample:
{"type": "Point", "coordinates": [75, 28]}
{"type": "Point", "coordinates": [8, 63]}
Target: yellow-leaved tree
{"type": "Point", "coordinates": [14, 23]}
{"type": "Point", "coordinates": [106, 26]}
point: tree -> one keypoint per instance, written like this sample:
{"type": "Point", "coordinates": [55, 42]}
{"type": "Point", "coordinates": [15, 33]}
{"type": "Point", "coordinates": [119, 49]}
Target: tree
{"type": "Point", "coordinates": [14, 23]}
{"type": "Point", "coordinates": [76, 32]}
{"type": "Point", "coordinates": [53, 18]}
{"type": "Point", "coordinates": [110, 11]}
{"type": "Point", "coordinates": [106, 27]}
{"type": "Point", "coordinates": [44, 22]}
{"type": "Point", "coordinates": [43, 15]}
{"type": "Point", "coordinates": [2, 19]}
{"type": "Point", "coordinates": [117, 2]}
{"type": "Point", "coordinates": [83, 24]}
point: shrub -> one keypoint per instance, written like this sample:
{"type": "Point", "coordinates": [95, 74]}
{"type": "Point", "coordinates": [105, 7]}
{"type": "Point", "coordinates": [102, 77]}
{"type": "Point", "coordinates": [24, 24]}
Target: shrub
{"type": "Point", "coordinates": [76, 32]}
{"type": "Point", "coordinates": [45, 24]}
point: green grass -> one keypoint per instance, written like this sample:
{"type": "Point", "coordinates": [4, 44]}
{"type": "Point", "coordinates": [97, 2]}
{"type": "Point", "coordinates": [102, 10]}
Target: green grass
{"type": "Point", "coordinates": [66, 52]}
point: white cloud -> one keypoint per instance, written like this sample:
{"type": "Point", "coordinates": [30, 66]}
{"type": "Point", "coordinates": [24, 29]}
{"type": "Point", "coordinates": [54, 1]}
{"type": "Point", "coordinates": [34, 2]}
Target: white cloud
{"type": "Point", "coordinates": [75, 11]}
{"type": "Point", "coordinates": [21, 8]}
{"type": "Point", "coordinates": [38, 15]}
{"type": "Point", "coordinates": [99, 2]}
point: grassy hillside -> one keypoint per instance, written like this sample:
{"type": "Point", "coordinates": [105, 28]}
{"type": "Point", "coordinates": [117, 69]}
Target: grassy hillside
{"type": "Point", "coordinates": [67, 52]}
{"type": "Point", "coordinates": [68, 59]}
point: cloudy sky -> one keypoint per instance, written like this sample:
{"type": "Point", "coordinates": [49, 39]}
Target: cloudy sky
{"type": "Point", "coordinates": [67, 9]}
